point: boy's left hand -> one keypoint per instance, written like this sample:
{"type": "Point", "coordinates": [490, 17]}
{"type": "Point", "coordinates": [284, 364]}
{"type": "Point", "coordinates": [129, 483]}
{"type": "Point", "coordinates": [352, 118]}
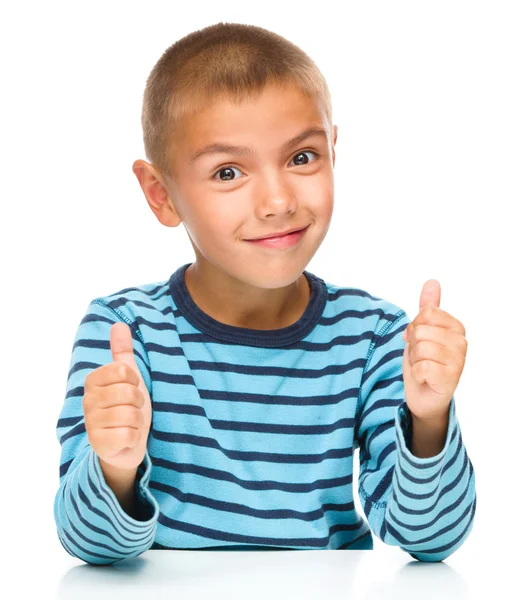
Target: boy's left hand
{"type": "Point", "coordinates": [434, 357]}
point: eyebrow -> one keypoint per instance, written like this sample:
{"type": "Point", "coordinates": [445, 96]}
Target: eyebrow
{"type": "Point", "coordinates": [244, 151]}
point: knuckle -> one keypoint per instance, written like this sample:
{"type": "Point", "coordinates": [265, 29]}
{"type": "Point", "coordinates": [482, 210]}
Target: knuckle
{"type": "Point", "coordinates": [128, 435]}
{"type": "Point", "coordinates": [122, 370]}
{"type": "Point", "coordinates": [87, 402]}
{"type": "Point", "coordinates": [93, 437]}
{"type": "Point", "coordinates": [426, 347]}
{"type": "Point", "coordinates": [426, 312]}
{"type": "Point", "coordinates": [132, 394]}
{"type": "Point", "coordinates": [139, 397]}
{"type": "Point", "coordinates": [132, 416]}
{"type": "Point", "coordinates": [138, 418]}
{"type": "Point", "coordinates": [134, 436]}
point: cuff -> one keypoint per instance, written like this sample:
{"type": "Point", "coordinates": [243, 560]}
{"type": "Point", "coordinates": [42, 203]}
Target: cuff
{"type": "Point", "coordinates": [414, 464]}
{"type": "Point", "coordinates": [147, 505]}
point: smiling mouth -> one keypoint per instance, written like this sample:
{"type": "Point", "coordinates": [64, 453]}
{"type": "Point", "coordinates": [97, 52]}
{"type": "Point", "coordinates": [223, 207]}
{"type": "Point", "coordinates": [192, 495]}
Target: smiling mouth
{"type": "Point", "coordinates": [288, 240]}
{"type": "Point", "coordinates": [278, 236]}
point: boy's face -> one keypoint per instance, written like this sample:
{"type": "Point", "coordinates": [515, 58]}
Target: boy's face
{"type": "Point", "coordinates": [224, 198]}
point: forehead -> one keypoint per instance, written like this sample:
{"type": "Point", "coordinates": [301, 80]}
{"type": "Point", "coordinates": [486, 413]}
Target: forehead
{"type": "Point", "coordinates": [273, 116]}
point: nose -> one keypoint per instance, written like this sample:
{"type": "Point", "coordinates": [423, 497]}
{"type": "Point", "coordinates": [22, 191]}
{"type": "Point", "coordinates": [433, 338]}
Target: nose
{"type": "Point", "coordinates": [276, 197]}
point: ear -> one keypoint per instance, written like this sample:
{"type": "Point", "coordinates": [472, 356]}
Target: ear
{"type": "Point", "coordinates": [333, 144]}
{"type": "Point", "coordinates": [156, 194]}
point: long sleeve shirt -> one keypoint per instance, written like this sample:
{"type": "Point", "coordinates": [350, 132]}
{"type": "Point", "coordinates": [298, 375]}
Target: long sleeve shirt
{"type": "Point", "coordinates": [253, 434]}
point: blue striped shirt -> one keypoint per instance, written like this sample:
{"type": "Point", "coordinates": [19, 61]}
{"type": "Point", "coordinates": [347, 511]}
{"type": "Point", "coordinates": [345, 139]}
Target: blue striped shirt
{"type": "Point", "coordinates": [253, 434]}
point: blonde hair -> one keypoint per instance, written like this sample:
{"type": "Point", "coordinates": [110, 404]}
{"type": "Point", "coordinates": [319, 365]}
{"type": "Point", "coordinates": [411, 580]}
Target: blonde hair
{"type": "Point", "coordinates": [230, 61]}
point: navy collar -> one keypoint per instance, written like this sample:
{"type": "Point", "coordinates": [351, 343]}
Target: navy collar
{"type": "Point", "coordinates": [267, 338]}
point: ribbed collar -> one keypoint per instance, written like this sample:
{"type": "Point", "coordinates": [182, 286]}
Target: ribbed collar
{"type": "Point", "coordinates": [270, 338]}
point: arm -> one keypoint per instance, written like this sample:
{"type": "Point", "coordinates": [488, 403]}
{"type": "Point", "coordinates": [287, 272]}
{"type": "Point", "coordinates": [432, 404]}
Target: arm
{"type": "Point", "coordinates": [92, 523]}
{"type": "Point", "coordinates": [428, 439]}
{"type": "Point", "coordinates": [423, 502]}
{"type": "Point", "coordinates": [123, 486]}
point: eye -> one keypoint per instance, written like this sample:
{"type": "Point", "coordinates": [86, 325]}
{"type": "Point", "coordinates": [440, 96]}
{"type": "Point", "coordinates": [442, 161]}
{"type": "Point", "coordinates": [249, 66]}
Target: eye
{"type": "Point", "coordinates": [303, 152]}
{"type": "Point", "coordinates": [228, 169]}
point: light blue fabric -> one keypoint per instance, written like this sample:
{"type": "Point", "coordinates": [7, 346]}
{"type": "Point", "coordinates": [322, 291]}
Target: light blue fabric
{"type": "Point", "coordinates": [253, 433]}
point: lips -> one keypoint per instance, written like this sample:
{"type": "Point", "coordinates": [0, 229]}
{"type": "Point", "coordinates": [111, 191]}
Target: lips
{"type": "Point", "coordinates": [277, 235]}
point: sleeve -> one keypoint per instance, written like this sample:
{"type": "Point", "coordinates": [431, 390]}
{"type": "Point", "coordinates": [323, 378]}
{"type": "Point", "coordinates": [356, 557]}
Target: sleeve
{"type": "Point", "coordinates": [425, 506]}
{"type": "Point", "coordinates": [91, 524]}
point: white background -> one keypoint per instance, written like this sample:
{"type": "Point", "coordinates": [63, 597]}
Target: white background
{"type": "Point", "coordinates": [429, 100]}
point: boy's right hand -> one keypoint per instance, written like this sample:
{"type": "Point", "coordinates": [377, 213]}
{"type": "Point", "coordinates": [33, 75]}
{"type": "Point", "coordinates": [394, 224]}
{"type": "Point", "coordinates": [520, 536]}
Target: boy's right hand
{"type": "Point", "coordinates": [117, 405]}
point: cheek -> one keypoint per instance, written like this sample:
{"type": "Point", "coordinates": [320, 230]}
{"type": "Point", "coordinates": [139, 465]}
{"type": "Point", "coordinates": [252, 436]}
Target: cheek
{"type": "Point", "coordinates": [214, 219]}
{"type": "Point", "coordinates": [321, 200]}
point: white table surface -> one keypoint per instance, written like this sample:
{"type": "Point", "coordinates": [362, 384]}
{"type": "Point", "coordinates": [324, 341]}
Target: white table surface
{"type": "Point", "coordinates": [474, 571]}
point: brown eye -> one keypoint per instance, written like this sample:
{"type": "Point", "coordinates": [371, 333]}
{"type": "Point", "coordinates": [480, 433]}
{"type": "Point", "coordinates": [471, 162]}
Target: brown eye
{"type": "Point", "coordinates": [304, 153]}
{"type": "Point", "coordinates": [228, 171]}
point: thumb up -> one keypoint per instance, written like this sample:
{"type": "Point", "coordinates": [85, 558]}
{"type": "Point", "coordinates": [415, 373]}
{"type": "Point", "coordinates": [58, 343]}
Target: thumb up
{"type": "Point", "coordinates": [117, 405]}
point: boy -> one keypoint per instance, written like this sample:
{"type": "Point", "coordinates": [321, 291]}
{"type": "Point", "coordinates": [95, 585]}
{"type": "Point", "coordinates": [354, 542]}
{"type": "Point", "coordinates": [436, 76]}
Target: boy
{"type": "Point", "coordinates": [220, 408]}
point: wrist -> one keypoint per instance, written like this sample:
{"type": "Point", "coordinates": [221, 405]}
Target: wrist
{"type": "Point", "coordinates": [428, 436]}
{"type": "Point", "coordinates": [433, 422]}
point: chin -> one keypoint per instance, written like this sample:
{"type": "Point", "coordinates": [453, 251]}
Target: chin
{"type": "Point", "coordinates": [271, 279]}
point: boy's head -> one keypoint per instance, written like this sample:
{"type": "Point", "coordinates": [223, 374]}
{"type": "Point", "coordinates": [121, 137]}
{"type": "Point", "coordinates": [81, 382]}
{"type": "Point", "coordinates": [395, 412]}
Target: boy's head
{"type": "Point", "coordinates": [239, 85]}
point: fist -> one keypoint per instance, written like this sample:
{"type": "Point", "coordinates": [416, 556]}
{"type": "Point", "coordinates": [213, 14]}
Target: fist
{"type": "Point", "coordinates": [117, 405]}
{"type": "Point", "coordinates": [434, 357]}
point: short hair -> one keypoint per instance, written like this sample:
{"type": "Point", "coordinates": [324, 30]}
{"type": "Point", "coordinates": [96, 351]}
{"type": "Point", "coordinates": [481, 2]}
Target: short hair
{"type": "Point", "coordinates": [230, 61]}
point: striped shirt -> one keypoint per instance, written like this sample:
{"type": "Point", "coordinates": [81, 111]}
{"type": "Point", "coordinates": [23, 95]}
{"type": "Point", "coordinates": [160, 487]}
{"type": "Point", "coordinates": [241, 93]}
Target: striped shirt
{"type": "Point", "coordinates": [253, 434]}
